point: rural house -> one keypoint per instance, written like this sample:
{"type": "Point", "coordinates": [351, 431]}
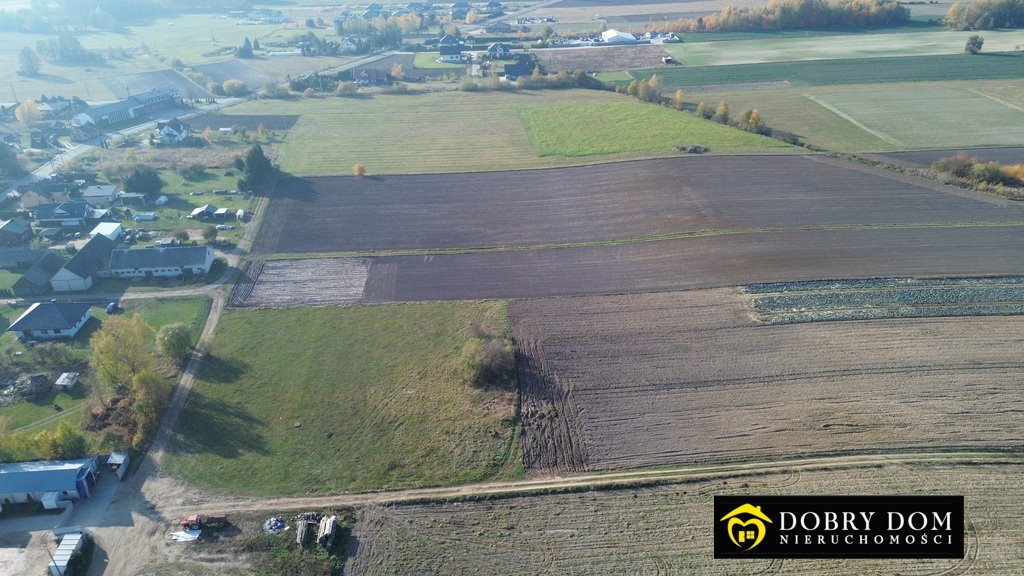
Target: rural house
{"type": "Point", "coordinates": [171, 132]}
{"type": "Point", "coordinates": [107, 115]}
{"type": "Point", "coordinates": [451, 53]}
{"type": "Point", "coordinates": [100, 195]}
{"type": "Point", "coordinates": [112, 230]}
{"type": "Point", "coordinates": [169, 261]}
{"type": "Point", "coordinates": [51, 320]}
{"type": "Point", "coordinates": [63, 215]}
{"type": "Point", "coordinates": [498, 50]}
{"type": "Point", "coordinates": [36, 280]}
{"type": "Point", "coordinates": [203, 212]}
{"type": "Point", "coordinates": [34, 194]}
{"type": "Point", "coordinates": [48, 481]}
{"type": "Point", "coordinates": [520, 68]}
{"type": "Point", "coordinates": [499, 28]}
{"type": "Point", "coordinates": [80, 272]}
{"type": "Point", "coordinates": [15, 231]}
{"type": "Point", "coordinates": [448, 40]}
{"type": "Point", "coordinates": [349, 44]}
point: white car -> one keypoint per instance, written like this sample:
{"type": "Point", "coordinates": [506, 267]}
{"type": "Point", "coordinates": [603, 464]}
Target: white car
{"type": "Point", "coordinates": [225, 227]}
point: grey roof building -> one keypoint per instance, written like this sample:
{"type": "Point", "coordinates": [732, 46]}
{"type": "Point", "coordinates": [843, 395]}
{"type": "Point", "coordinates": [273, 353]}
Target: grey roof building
{"type": "Point", "coordinates": [81, 270]}
{"type": "Point", "coordinates": [50, 320]}
{"type": "Point", "coordinates": [161, 261]}
{"type": "Point", "coordinates": [36, 280]}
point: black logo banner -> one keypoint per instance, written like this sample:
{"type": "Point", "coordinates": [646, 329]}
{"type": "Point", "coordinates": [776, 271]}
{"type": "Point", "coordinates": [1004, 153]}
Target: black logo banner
{"type": "Point", "coordinates": [839, 526]}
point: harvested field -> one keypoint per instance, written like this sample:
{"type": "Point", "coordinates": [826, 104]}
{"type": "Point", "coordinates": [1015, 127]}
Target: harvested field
{"type": "Point", "coordinates": [248, 121]}
{"type": "Point", "coordinates": [129, 84]}
{"type": "Point", "coordinates": [542, 207]}
{"type": "Point", "coordinates": [792, 302]}
{"type": "Point", "coordinates": [323, 282]}
{"type": "Point", "coordinates": [221, 72]}
{"type": "Point", "coordinates": [667, 529]}
{"type": "Point", "coordinates": [924, 158]}
{"type": "Point", "coordinates": [646, 380]}
{"type": "Point", "coordinates": [598, 58]}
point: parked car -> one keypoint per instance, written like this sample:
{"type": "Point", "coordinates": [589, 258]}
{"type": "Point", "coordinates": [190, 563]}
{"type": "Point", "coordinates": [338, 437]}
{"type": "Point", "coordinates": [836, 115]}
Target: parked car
{"type": "Point", "coordinates": [112, 307]}
{"type": "Point", "coordinates": [225, 227]}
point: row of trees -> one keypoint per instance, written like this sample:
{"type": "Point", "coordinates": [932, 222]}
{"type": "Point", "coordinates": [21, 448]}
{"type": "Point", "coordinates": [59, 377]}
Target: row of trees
{"type": "Point", "coordinates": [796, 14]}
{"type": "Point", "coordinates": [986, 15]}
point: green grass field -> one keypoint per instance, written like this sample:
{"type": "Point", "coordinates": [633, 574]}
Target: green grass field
{"type": "Point", "coordinates": [850, 71]}
{"type": "Point", "coordinates": [320, 400]}
{"type": "Point", "coordinates": [591, 129]}
{"type": "Point", "coordinates": [434, 132]}
{"type": "Point", "coordinates": [894, 44]}
{"type": "Point", "coordinates": [883, 117]}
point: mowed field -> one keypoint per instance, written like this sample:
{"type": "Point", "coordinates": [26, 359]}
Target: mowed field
{"type": "Point", "coordinates": [592, 58]}
{"type": "Point", "coordinates": [641, 200]}
{"type": "Point", "coordinates": [771, 48]}
{"type": "Point", "coordinates": [325, 400]}
{"type": "Point", "coordinates": [889, 117]}
{"type": "Point", "coordinates": [668, 529]}
{"type": "Point", "coordinates": [621, 382]}
{"type": "Point", "coordinates": [453, 132]}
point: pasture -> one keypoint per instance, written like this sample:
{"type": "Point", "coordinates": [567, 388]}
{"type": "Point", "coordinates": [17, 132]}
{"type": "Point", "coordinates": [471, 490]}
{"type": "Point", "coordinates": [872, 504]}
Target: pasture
{"type": "Point", "coordinates": [770, 48]}
{"type": "Point", "coordinates": [445, 132]}
{"type": "Point", "coordinates": [597, 129]}
{"type": "Point", "coordinates": [601, 58]}
{"type": "Point", "coordinates": [642, 200]}
{"type": "Point", "coordinates": [689, 376]}
{"type": "Point", "coordinates": [667, 529]}
{"type": "Point", "coordinates": [314, 401]}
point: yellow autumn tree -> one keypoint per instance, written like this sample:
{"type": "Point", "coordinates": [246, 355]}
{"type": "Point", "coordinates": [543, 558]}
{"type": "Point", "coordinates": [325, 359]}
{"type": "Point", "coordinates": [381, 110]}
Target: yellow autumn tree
{"type": "Point", "coordinates": [121, 350]}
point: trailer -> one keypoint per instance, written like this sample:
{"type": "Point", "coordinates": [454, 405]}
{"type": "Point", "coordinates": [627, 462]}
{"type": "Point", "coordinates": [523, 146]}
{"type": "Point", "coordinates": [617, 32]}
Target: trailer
{"type": "Point", "coordinates": [201, 521]}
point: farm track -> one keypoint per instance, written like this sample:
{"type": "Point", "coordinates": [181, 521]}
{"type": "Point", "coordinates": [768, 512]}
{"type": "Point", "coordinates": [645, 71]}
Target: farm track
{"type": "Point", "coordinates": [593, 481]}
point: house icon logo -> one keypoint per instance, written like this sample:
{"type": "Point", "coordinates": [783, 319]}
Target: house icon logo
{"type": "Point", "coordinates": [746, 526]}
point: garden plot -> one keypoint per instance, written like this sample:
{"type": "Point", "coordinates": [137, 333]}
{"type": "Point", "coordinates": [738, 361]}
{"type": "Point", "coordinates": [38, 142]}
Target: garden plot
{"type": "Point", "coordinates": [667, 529]}
{"type": "Point", "coordinates": [131, 84]}
{"type": "Point", "coordinates": [221, 72]}
{"type": "Point", "coordinates": [300, 283]}
{"type": "Point", "coordinates": [621, 382]}
{"type": "Point", "coordinates": [792, 302]}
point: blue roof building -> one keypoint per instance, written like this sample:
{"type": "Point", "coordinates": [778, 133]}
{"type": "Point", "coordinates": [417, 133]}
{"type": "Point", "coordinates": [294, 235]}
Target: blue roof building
{"type": "Point", "coordinates": [31, 481]}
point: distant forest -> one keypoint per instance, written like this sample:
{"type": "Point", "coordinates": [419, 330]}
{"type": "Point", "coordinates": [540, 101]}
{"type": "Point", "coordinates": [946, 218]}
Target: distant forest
{"type": "Point", "coordinates": [797, 14]}
{"type": "Point", "coordinates": [51, 16]}
{"type": "Point", "coordinates": [986, 15]}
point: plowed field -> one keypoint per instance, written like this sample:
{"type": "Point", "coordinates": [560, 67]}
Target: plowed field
{"type": "Point", "coordinates": [644, 380]}
{"type": "Point", "coordinates": [604, 202]}
{"type": "Point", "coordinates": [667, 530]}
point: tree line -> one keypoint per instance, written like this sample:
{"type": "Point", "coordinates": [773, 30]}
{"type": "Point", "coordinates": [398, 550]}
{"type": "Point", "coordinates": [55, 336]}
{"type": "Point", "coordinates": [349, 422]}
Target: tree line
{"type": "Point", "coordinates": [986, 15]}
{"type": "Point", "coordinates": [796, 14]}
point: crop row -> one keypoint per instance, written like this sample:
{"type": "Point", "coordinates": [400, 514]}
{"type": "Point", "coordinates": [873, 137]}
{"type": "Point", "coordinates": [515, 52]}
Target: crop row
{"type": "Point", "coordinates": [909, 296]}
{"type": "Point", "coordinates": [895, 312]}
{"type": "Point", "coordinates": [819, 285]}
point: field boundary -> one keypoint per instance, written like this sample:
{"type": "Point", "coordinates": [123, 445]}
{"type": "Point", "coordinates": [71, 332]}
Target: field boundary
{"type": "Point", "coordinates": [852, 120]}
{"type": "Point", "coordinates": [996, 100]}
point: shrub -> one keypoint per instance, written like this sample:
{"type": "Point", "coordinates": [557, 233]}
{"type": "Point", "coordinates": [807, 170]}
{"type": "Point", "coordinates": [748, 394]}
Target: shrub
{"type": "Point", "coordinates": [359, 170]}
{"type": "Point", "coordinates": [960, 165]}
{"type": "Point", "coordinates": [235, 88]}
{"type": "Point", "coordinates": [193, 171]}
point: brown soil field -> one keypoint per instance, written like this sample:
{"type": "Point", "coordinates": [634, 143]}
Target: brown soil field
{"type": "Point", "coordinates": [300, 283]}
{"type": "Point", "coordinates": [603, 202]}
{"type": "Point", "coordinates": [129, 84]}
{"type": "Point", "coordinates": [924, 158]}
{"type": "Point", "coordinates": [602, 58]}
{"type": "Point", "coordinates": [701, 262]}
{"type": "Point", "coordinates": [248, 121]}
{"type": "Point", "coordinates": [584, 11]}
{"type": "Point", "coordinates": [667, 530]}
{"type": "Point", "coordinates": [622, 382]}
{"type": "Point", "coordinates": [221, 72]}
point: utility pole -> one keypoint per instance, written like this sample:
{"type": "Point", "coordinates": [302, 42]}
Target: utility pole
{"type": "Point", "coordinates": [13, 93]}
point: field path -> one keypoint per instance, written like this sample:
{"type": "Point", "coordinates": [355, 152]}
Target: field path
{"type": "Point", "coordinates": [221, 504]}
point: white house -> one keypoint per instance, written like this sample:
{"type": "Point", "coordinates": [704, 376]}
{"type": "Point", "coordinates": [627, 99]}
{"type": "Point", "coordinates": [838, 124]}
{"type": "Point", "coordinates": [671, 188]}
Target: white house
{"type": "Point", "coordinates": [51, 320]}
{"type": "Point", "coordinates": [100, 195]}
{"type": "Point", "coordinates": [162, 261]}
{"type": "Point", "coordinates": [349, 45]}
{"type": "Point", "coordinates": [450, 53]}
{"type": "Point", "coordinates": [174, 131]}
{"type": "Point", "coordinates": [617, 37]}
